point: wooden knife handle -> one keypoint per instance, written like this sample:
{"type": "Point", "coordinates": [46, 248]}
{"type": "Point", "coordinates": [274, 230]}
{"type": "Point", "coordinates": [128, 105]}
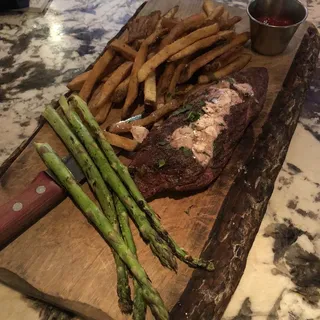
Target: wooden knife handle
{"type": "Point", "coordinates": [28, 207]}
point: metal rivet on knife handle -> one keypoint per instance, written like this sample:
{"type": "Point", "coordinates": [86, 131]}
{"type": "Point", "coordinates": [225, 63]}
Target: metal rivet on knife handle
{"type": "Point", "coordinates": [17, 206]}
{"type": "Point", "coordinates": [41, 189]}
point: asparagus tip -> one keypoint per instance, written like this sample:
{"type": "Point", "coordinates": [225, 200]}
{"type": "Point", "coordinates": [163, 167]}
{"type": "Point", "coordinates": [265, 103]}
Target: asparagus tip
{"type": "Point", "coordinates": [125, 306]}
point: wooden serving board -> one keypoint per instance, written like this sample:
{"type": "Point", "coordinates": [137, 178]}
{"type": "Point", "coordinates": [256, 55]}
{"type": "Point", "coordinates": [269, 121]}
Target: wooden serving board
{"type": "Point", "coordinates": [63, 260]}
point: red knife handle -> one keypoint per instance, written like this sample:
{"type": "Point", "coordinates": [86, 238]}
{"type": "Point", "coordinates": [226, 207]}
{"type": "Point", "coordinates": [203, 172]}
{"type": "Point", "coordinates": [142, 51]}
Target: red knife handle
{"type": "Point", "coordinates": [24, 210]}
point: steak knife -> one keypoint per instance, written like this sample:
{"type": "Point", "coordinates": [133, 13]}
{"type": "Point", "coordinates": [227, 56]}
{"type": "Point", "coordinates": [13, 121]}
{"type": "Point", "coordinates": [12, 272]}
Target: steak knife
{"type": "Point", "coordinates": [42, 195]}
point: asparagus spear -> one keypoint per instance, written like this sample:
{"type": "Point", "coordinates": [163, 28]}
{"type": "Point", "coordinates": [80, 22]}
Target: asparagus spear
{"type": "Point", "coordinates": [124, 174]}
{"type": "Point", "coordinates": [158, 246]}
{"type": "Point", "coordinates": [102, 193]}
{"type": "Point", "coordinates": [94, 214]}
{"type": "Point", "coordinates": [139, 306]}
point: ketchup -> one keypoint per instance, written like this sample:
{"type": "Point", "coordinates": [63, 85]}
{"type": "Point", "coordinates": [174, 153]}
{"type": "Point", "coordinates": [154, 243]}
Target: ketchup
{"type": "Point", "coordinates": [276, 21]}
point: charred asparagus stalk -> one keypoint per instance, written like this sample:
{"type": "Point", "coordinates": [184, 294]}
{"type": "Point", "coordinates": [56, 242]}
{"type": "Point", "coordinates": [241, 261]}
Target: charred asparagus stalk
{"type": "Point", "coordinates": [139, 306]}
{"type": "Point", "coordinates": [124, 174]}
{"type": "Point", "coordinates": [93, 213]}
{"type": "Point", "coordinates": [101, 192]}
{"type": "Point", "coordinates": [158, 246]}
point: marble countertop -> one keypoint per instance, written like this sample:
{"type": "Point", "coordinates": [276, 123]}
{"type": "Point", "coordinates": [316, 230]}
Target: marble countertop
{"type": "Point", "coordinates": [39, 53]}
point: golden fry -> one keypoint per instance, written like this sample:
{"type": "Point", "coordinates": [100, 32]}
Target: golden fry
{"type": "Point", "coordinates": [183, 89]}
{"type": "Point", "coordinates": [239, 63]}
{"type": "Point", "coordinates": [222, 60]}
{"type": "Point", "coordinates": [202, 60]}
{"type": "Point", "coordinates": [150, 90]}
{"type": "Point", "coordinates": [147, 121]}
{"type": "Point", "coordinates": [103, 112]}
{"type": "Point", "coordinates": [133, 83]}
{"type": "Point", "coordinates": [125, 50]}
{"type": "Point", "coordinates": [142, 26]}
{"type": "Point", "coordinates": [113, 81]}
{"type": "Point", "coordinates": [208, 7]}
{"type": "Point", "coordinates": [176, 76]}
{"type": "Point", "coordinates": [138, 62]}
{"type": "Point", "coordinates": [155, 35]}
{"type": "Point", "coordinates": [169, 15]}
{"type": "Point", "coordinates": [216, 14]}
{"type": "Point", "coordinates": [94, 99]}
{"type": "Point", "coordinates": [121, 142]}
{"type": "Point", "coordinates": [191, 23]}
{"type": "Point", "coordinates": [169, 23]}
{"type": "Point", "coordinates": [120, 92]}
{"type": "Point", "coordinates": [165, 78]}
{"type": "Point", "coordinates": [95, 73]}
{"type": "Point", "coordinates": [230, 23]}
{"type": "Point", "coordinates": [201, 44]}
{"type": "Point", "coordinates": [98, 69]}
{"type": "Point", "coordinates": [173, 48]}
{"type": "Point", "coordinates": [76, 83]}
{"type": "Point", "coordinates": [224, 18]}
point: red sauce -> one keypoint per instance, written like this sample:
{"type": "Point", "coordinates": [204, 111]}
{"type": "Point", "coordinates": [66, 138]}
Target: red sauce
{"type": "Point", "coordinates": [276, 21]}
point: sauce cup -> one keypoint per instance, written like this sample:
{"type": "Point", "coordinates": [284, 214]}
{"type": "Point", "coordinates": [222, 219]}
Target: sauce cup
{"type": "Point", "coordinates": [268, 39]}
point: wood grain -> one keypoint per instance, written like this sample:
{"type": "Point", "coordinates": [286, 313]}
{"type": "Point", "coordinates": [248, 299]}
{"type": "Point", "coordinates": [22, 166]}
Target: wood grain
{"type": "Point", "coordinates": [61, 259]}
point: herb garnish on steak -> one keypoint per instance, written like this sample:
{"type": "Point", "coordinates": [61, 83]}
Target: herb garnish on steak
{"type": "Point", "coordinates": [195, 143]}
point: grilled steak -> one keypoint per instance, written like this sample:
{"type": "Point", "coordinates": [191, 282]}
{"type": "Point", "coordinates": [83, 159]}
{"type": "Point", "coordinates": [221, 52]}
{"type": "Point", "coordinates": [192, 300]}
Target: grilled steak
{"type": "Point", "coordinates": [191, 148]}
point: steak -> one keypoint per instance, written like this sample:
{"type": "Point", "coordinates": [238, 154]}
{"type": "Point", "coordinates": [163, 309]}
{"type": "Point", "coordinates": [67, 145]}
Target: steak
{"type": "Point", "coordinates": [191, 148]}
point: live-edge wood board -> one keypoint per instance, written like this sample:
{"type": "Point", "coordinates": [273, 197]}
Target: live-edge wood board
{"type": "Point", "coordinates": [62, 259]}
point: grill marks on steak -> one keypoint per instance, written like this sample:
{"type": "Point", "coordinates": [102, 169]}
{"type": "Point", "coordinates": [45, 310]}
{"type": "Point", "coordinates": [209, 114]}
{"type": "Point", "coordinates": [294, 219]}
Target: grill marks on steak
{"type": "Point", "coordinates": [158, 167]}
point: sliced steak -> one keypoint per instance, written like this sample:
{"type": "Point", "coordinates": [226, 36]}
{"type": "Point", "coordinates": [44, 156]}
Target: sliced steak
{"type": "Point", "coordinates": [191, 148]}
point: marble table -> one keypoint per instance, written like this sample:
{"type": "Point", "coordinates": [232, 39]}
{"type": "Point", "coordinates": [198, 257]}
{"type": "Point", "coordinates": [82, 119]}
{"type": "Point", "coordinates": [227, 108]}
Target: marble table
{"type": "Point", "coordinates": [40, 53]}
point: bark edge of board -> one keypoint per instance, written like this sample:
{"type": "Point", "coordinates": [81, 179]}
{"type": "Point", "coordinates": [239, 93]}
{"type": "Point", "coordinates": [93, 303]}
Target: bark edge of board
{"type": "Point", "coordinates": [207, 294]}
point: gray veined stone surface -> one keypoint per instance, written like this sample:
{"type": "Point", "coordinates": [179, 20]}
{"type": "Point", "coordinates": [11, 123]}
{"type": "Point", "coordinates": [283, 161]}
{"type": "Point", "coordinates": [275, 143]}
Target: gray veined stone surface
{"type": "Point", "coordinates": [40, 53]}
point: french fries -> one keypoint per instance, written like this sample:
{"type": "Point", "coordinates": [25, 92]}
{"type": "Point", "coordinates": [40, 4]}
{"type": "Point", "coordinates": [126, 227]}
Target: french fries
{"type": "Point", "coordinates": [103, 112]}
{"type": "Point", "coordinates": [230, 23]}
{"type": "Point", "coordinates": [133, 83]}
{"type": "Point", "coordinates": [187, 24]}
{"type": "Point", "coordinates": [95, 73]}
{"type": "Point", "coordinates": [76, 83]}
{"type": "Point", "coordinates": [150, 90]}
{"type": "Point", "coordinates": [169, 23]}
{"type": "Point", "coordinates": [201, 44]}
{"type": "Point", "coordinates": [138, 62]}
{"type": "Point", "coordinates": [165, 78]}
{"type": "Point", "coordinates": [121, 142]}
{"type": "Point", "coordinates": [168, 15]}
{"type": "Point", "coordinates": [94, 99]}
{"type": "Point", "coordinates": [222, 60]}
{"type": "Point", "coordinates": [120, 92]}
{"type": "Point", "coordinates": [208, 7]}
{"type": "Point", "coordinates": [239, 63]}
{"type": "Point", "coordinates": [217, 12]}
{"type": "Point", "coordinates": [224, 18]}
{"type": "Point", "coordinates": [147, 121]}
{"type": "Point", "coordinates": [142, 26]}
{"type": "Point", "coordinates": [155, 35]}
{"type": "Point", "coordinates": [172, 12]}
{"type": "Point", "coordinates": [113, 81]}
{"type": "Point", "coordinates": [125, 50]}
{"type": "Point", "coordinates": [173, 48]}
{"type": "Point", "coordinates": [183, 89]}
{"type": "Point", "coordinates": [202, 60]}
{"type": "Point", "coordinates": [135, 57]}
{"type": "Point", "coordinates": [176, 76]}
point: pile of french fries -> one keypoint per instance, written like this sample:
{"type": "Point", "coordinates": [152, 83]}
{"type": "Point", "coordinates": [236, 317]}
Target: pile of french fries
{"type": "Point", "coordinates": [159, 68]}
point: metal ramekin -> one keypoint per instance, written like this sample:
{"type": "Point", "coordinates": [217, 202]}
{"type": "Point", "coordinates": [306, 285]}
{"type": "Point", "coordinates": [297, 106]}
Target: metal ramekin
{"type": "Point", "coordinates": [272, 40]}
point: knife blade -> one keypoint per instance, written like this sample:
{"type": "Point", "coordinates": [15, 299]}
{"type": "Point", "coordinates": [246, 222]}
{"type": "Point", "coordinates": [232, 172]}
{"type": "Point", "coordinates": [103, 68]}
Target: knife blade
{"type": "Point", "coordinates": [42, 195]}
